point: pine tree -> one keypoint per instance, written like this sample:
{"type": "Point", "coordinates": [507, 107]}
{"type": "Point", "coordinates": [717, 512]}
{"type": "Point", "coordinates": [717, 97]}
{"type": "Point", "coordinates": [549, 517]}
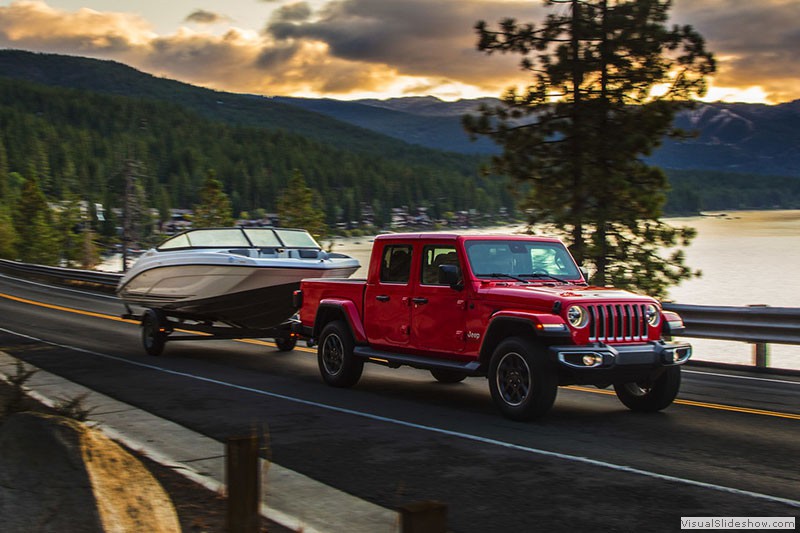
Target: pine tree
{"type": "Point", "coordinates": [37, 239]}
{"type": "Point", "coordinates": [300, 207]}
{"type": "Point", "coordinates": [576, 138]}
{"type": "Point", "coordinates": [5, 183]}
{"type": "Point", "coordinates": [214, 209]}
{"type": "Point", "coordinates": [8, 234]}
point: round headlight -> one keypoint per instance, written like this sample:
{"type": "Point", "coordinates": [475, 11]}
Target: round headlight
{"type": "Point", "coordinates": [653, 315]}
{"type": "Point", "coordinates": [577, 316]}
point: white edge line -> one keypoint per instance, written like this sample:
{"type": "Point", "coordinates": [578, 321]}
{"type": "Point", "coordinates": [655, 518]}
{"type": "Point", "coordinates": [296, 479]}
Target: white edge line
{"type": "Point", "coordinates": [465, 436]}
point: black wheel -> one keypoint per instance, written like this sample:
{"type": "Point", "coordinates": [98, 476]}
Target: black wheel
{"type": "Point", "coordinates": [286, 343]}
{"type": "Point", "coordinates": [522, 383]}
{"type": "Point", "coordinates": [337, 363]}
{"type": "Point", "coordinates": [652, 395]}
{"type": "Point", "coordinates": [444, 375]}
{"type": "Point", "coordinates": [154, 331]}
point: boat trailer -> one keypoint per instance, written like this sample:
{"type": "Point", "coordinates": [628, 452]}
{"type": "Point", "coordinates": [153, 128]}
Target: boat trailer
{"type": "Point", "coordinates": [160, 326]}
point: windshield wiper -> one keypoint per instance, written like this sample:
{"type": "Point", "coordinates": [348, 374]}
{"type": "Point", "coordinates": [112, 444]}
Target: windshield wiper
{"type": "Point", "coordinates": [500, 275]}
{"type": "Point", "coordinates": [543, 275]}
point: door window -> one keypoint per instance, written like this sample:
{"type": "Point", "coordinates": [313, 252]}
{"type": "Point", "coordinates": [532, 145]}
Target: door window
{"type": "Point", "coordinates": [396, 264]}
{"type": "Point", "coordinates": [432, 258]}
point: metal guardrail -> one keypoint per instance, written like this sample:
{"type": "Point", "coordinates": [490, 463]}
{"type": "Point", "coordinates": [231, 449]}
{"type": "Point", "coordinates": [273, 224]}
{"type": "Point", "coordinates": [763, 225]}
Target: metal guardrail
{"type": "Point", "coordinates": [101, 281]}
{"type": "Point", "coordinates": [757, 325]}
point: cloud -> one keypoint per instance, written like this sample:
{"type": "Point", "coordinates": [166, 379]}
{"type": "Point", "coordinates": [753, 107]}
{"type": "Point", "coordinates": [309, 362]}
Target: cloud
{"type": "Point", "coordinates": [201, 16]}
{"type": "Point", "coordinates": [755, 43]}
{"type": "Point", "coordinates": [33, 25]}
{"type": "Point", "coordinates": [296, 12]}
{"type": "Point", "coordinates": [357, 47]}
{"type": "Point", "coordinates": [416, 37]}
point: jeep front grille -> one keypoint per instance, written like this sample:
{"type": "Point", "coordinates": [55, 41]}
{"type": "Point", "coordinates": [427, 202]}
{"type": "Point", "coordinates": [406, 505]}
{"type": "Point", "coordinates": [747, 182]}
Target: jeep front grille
{"type": "Point", "coordinates": [617, 323]}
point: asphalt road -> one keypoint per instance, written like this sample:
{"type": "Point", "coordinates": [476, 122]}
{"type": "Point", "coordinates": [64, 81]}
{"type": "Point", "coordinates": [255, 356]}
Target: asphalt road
{"type": "Point", "coordinates": [727, 447]}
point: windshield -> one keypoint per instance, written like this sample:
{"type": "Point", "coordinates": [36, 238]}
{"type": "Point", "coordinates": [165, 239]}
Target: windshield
{"type": "Point", "coordinates": [207, 238]}
{"type": "Point", "coordinates": [293, 238]}
{"type": "Point", "coordinates": [531, 260]}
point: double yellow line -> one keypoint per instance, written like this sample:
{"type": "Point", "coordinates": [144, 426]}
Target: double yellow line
{"type": "Point", "coordinates": [720, 407]}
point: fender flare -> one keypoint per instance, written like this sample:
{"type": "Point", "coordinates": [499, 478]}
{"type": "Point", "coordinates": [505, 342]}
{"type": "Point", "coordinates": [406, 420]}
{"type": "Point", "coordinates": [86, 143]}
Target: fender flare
{"type": "Point", "coordinates": [346, 308]}
{"type": "Point", "coordinates": [536, 324]}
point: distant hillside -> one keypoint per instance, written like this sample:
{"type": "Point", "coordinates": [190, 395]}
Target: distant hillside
{"type": "Point", "coordinates": [110, 77]}
{"type": "Point", "coordinates": [440, 128]}
{"type": "Point", "coordinates": [741, 138]}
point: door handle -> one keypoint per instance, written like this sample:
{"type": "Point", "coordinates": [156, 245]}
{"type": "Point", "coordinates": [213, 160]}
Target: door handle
{"type": "Point", "coordinates": [382, 298]}
{"type": "Point", "coordinates": [419, 301]}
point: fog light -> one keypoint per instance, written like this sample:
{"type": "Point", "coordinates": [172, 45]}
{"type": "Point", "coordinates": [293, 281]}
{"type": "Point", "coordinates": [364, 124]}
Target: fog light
{"type": "Point", "coordinates": [676, 357]}
{"type": "Point", "coordinates": [592, 359]}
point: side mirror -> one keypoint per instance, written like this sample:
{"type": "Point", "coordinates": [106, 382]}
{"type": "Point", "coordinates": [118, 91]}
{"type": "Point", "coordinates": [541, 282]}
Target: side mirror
{"type": "Point", "coordinates": [451, 275]}
{"type": "Point", "coordinates": [585, 272]}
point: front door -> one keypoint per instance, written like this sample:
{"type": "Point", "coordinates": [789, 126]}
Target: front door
{"type": "Point", "coordinates": [438, 312]}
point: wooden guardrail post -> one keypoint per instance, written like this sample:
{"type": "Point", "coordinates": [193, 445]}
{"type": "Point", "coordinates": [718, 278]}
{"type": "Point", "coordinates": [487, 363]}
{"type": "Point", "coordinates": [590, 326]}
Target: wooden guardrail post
{"type": "Point", "coordinates": [423, 517]}
{"type": "Point", "coordinates": [243, 484]}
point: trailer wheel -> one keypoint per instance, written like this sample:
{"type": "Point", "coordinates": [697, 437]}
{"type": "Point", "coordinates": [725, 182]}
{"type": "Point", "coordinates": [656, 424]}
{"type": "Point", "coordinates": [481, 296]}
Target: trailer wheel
{"type": "Point", "coordinates": [154, 331]}
{"type": "Point", "coordinates": [651, 396]}
{"type": "Point", "coordinates": [286, 343]}
{"type": "Point", "coordinates": [338, 364]}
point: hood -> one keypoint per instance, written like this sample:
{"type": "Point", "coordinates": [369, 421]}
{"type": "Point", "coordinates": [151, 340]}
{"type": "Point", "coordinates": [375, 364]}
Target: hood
{"type": "Point", "coordinates": [547, 294]}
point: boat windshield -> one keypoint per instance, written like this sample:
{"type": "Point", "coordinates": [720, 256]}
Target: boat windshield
{"type": "Point", "coordinates": [240, 238]}
{"type": "Point", "coordinates": [262, 237]}
{"type": "Point", "coordinates": [525, 259]}
{"type": "Point", "coordinates": [207, 238]}
{"type": "Point", "coordinates": [296, 238]}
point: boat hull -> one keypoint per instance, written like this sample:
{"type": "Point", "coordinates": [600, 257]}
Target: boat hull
{"type": "Point", "coordinates": [242, 295]}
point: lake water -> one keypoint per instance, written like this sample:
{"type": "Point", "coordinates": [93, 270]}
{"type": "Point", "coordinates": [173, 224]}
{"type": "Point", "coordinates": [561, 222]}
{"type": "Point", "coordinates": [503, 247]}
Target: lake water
{"type": "Point", "coordinates": [747, 258]}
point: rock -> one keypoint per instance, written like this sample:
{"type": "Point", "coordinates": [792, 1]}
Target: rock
{"type": "Point", "coordinates": [58, 475]}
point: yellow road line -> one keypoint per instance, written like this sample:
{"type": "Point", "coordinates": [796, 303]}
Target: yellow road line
{"type": "Point", "coordinates": [692, 403]}
{"type": "Point", "coordinates": [66, 309]}
{"type": "Point", "coordinates": [721, 407]}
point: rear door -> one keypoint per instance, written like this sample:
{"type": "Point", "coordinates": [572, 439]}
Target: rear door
{"type": "Point", "coordinates": [438, 312]}
{"type": "Point", "coordinates": [387, 308]}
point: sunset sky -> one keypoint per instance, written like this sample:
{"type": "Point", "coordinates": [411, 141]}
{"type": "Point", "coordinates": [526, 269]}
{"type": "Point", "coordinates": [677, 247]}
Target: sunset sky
{"type": "Point", "coordinates": [373, 48]}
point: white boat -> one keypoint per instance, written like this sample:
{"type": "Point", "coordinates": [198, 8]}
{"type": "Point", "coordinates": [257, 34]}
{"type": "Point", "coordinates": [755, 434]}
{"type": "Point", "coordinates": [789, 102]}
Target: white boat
{"type": "Point", "coordinates": [243, 277]}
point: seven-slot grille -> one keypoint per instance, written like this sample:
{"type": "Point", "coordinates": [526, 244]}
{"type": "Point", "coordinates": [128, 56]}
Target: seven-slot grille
{"type": "Point", "coordinates": [617, 322]}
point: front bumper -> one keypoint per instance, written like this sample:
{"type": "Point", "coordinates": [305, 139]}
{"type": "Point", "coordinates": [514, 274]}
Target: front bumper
{"type": "Point", "coordinates": [604, 357]}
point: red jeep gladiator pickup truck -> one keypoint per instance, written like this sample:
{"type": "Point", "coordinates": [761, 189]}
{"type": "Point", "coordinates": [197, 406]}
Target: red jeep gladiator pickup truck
{"type": "Point", "coordinates": [515, 309]}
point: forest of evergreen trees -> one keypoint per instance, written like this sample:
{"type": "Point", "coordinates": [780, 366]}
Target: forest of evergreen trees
{"type": "Point", "coordinates": [75, 144]}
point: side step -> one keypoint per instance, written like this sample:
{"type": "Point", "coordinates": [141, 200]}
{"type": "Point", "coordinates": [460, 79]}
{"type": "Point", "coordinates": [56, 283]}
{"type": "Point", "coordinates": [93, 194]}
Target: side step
{"type": "Point", "coordinates": [394, 360]}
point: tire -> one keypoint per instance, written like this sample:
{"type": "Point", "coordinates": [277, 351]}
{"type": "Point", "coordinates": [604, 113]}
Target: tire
{"type": "Point", "coordinates": [154, 332]}
{"type": "Point", "coordinates": [651, 396]}
{"type": "Point", "coordinates": [444, 375]}
{"type": "Point", "coordinates": [522, 383]}
{"type": "Point", "coordinates": [337, 363]}
{"type": "Point", "coordinates": [286, 343]}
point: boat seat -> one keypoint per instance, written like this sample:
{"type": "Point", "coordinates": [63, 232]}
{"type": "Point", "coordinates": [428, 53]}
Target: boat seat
{"type": "Point", "coordinates": [304, 254]}
{"type": "Point", "coordinates": [268, 251]}
{"type": "Point", "coordinates": [240, 251]}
